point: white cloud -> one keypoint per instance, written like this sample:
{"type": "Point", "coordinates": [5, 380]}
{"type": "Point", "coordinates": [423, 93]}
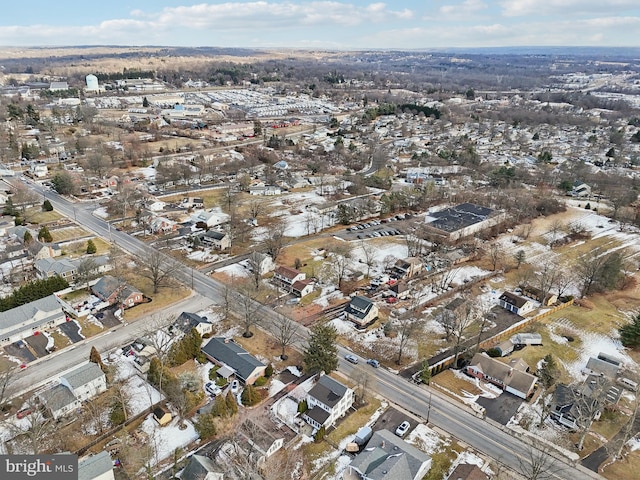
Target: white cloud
{"type": "Point", "coordinates": [518, 8]}
{"type": "Point", "coordinates": [463, 9]}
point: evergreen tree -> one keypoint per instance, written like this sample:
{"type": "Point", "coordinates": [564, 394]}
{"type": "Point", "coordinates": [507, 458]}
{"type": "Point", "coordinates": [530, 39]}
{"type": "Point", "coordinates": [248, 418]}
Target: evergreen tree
{"type": "Point", "coordinates": [46, 206]}
{"type": "Point", "coordinates": [321, 353]}
{"type": "Point", "coordinates": [145, 102]}
{"type": "Point", "coordinates": [27, 238]}
{"type": "Point", "coordinates": [548, 372]}
{"type": "Point", "coordinates": [250, 396]}
{"type": "Point", "coordinates": [91, 247]}
{"type": "Point", "coordinates": [232, 404]}
{"type": "Point", "coordinates": [94, 356]}
{"type": "Point", "coordinates": [44, 235]}
{"type": "Point", "coordinates": [205, 426]}
{"type": "Point", "coordinates": [630, 333]}
{"type": "Point", "coordinates": [9, 208]}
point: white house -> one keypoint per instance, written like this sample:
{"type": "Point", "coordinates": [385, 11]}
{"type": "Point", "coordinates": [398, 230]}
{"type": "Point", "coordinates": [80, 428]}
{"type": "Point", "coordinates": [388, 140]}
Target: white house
{"type": "Point", "coordinates": [328, 400]}
{"type": "Point", "coordinates": [211, 218]}
{"type": "Point", "coordinates": [285, 277]}
{"type": "Point", "coordinates": [217, 240]}
{"type": "Point", "coordinates": [515, 303]}
{"type": "Point", "coordinates": [30, 318]}
{"type": "Point", "coordinates": [38, 170]}
{"type": "Point", "coordinates": [262, 262]}
{"type": "Point", "coordinates": [361, 311]}
{"type": "Point", "coordinates": [187, 320]}
{"type": "Point", "coordinates": [86, 381]}
{"type": "Point", "coordinates": [267, 190]}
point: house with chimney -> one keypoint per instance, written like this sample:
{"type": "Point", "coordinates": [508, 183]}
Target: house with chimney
{"type": "Point", "coordinates": [233, 360]}
{"type": "Point", "coordinates": [512, 377]}
{"type": "Point", "coordinates": [111, 290]}
{"type": "Point", "coordinates": [292, 280]}
{"type": "Point", "coordinates": [516, 304]}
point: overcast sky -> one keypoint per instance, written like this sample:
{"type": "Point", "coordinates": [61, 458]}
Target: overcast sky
{"type": "Point", "coordinates": [348, 24]}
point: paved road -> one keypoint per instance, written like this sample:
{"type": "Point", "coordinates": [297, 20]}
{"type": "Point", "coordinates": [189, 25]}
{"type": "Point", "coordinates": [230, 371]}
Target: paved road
{"type": "Point", "coordinates": [449, 417]}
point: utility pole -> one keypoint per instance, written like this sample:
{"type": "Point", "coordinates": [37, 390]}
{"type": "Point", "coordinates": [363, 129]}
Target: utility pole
{"type": "Point", "coordinates": [429, 408]}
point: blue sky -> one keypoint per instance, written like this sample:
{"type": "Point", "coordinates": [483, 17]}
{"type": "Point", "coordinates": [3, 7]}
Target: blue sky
{"type": "Point", "coordinates": [340, 24]}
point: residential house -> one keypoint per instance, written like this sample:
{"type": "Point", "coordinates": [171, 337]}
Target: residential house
{"type": "Point", "coordinates": [162, 225]}
{"type": "Point", "coordinates": [327, 401]}
{"type": "Point", "coordinates": [285, 277]}
{"type": "Point", "coordinates": [400, 290]}
{"type": "Point", "coordinates": [210, 218]}
{"type": "Point", "coordinates": [467, 471]}
{"type": "Point", "coordinates": [192, 202]}
{"type": "Point", "coordinates": [38, 170]}
{"type": "Point", "coordinates": [48, 267]}
{"type": "Point", "coordinates": [407, 268]}
{"type": "Point", "coordinates": [302, 288]}
{"type": "Point", "coordinates": [187, 320]}
{"type": "Point", "coordinates": [161, 415]}
{"type": "Point", "coordinates": [86, 381]}
{"type": "Point", "coordinates": [537, 294]}
{"type": "Point", "coordinates": [29, 319]}
{"type": "Point", "coordinates": [111, 290]}
{"type": "Point", "coordinates": [267, 190]}
{"type": "Point", "coordinates": [512, 377]}
{"type": "Point", "coordinates": [580, 189]}
{"type": "Point", "coordinates": [38, 250]}
{"type": "Point", "coordinates": [260, 442]}
{"type": "Point", "coordinates": [6, 223]}
{"type": "Point", "coordinates": [96, 467]}
{"type": "Point", "coordinates": [515, 303]}
{"type": "Point", "coordinates": [262, 261]}
{"type": "Point", "coordinates": [361, 311]}
{"type": "Point", "coordinates": [601, 368]}
{"type": "Point", "coordinates": [225, 352]}
{"type": "Point", "coordinates": [200, 467]}
{"type": "Point", "coordinates": [216, 240]}
{"type": "Point", "coordinates": [388, 457]}
{"type": "Point", "coordinates": [59, 401]}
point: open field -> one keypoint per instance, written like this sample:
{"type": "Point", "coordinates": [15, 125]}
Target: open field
{"type": "Point", "coordinates": [77, 249]}
{"type": "Point", "coordinates": [69, 233]}
{"type": "Point", "coordinates": [264, 346]}
{"type": "Point", "coordinates": [37, 216]}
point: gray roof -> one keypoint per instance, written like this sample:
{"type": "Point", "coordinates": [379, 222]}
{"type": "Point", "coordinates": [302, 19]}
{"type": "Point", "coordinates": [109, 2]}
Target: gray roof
{"type": "Point", "coordinates": [83, 375]}
{"type": "Point", "coordinates": [37, 313]}
{"type": "Point", "coordinates": [359, 306]}
{"type": "Point", "coordinates": [328, 391]}
{"type": "Point", "coordinates": [388, 457]}
{"type": "Point", "coordinates": [94, 466]}
{"type": "Point", "coordinates": [57, 397]}
{"type": "Point", "coordinates": [513, 299]}
{"type": "Point", "coordinates": [198, 467]}
{"type": "Point", "coordinates": [57, 267]}
{"type": "Point", "coordinates": [318, 414]}
{"type": "Point", "coordinates": [215, 235]}
{"type": "Point", "coordinates": [187, 320]}
{"type": "Point", "coordinates": [105, 287]}
{"type": "Point", "coordinates": [461, 216]}
{"type": "Point", "coordinates": [233, 355]}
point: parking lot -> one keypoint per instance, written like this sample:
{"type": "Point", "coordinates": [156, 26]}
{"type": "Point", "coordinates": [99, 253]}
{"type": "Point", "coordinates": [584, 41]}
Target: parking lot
{"type": "Point", "coordinates": [387, 227]}
{"type": "Point", "coordinates": [391, 419]}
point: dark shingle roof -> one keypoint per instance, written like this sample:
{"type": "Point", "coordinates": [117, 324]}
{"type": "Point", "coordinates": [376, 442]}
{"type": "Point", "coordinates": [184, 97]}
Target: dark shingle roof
{"type": "Point", "coordinates": [187, 320]}
{"type": "Point", "coordinates": [359, 306]}
{"type": "Point", "coordinates": [233, 355]}
{"type": "Point", "coordinates": [460, 216]}
{"type": "Point", "coordinates": [513, 299]}
{"type": "Point", "coordinates": [198, 467]}
{"type": "Point", "coordinates": [328, 391]}
{"type": "Point", "coordinates": [105, 287]}
{"type": "Point", "coordinates": [57, 397]}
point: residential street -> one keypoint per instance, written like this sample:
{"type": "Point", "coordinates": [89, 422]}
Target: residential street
{"type": "Point", "coordinates": [444, 414]}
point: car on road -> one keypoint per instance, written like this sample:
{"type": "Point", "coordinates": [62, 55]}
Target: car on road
{"type": "Point", "coordinates": [235, 386]}
{"type": "Point", "coordinates": [212, 389]}
{"type": "Point", "coordinates": [351, 358]}
{"type": "Point", "coordinates": [24, 412]}
{"type": "Point", "coordinates": [403, 428]}
{"type": "Point", "coordinates": [373, 362]}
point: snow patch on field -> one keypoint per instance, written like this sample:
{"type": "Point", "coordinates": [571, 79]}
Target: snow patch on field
{"type": "Point", "coordinates": [425, 439]}
{"type": "Point", "coordinates": [165, 440]}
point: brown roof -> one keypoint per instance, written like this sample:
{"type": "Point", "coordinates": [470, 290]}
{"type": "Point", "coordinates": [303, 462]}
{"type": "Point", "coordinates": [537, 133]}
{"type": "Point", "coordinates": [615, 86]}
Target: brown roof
{"type": "Point", "coordinates": [516, 379]}
{"type": "Point", "coordinates": [287, 272]}
{"type": "Point", "coordinates": [466, 471]}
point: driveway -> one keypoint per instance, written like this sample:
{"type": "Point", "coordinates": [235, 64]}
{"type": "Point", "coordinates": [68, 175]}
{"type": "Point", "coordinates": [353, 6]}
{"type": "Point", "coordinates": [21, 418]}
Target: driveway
{"type": "Point", "coordinates": [19, 350]}
{"type": "Point", "coordinates": [38, 344]}
{"type": "Point", "coordinates": [107, 318]}
{"type": "Point", "coordinates": [390, 420]}
{"type": "Point", "coordinates": [501, 408]}
{"type": "Point", "coordinates": [72, 331]}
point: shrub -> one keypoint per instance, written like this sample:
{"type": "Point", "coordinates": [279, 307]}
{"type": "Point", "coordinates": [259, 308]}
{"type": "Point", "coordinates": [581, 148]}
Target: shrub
{"type": "Point", "coordinates": [319, 435]}
{"type": "Point", "coordinates": [91, 247]}
{"type": "Point", "coordinates": [494, 352]}
{"type": "Point", "coordinates": [46, 206]}
{"type": "Point", "coordinates": [268, 371]}
{"type": "Point", "coordinates": [303, 406]}
{"type": "Point", "coordinates": [250, 396]}
{"type": "Point", "coordinates": [261, 382]}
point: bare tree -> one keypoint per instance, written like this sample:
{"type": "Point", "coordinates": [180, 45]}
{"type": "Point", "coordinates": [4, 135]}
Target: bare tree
{"type": "Point", "coordinates": [537, 463]}
{"type": "Point", "coordinates": [555, 229]}
{"type": "Point", "coordinates": [495, 255]}
{"type": "Point", "coordinates": [464, 321]}
{"type": "Point", "coordinates": [337, 267]}
{"type": "Point", "coordinates": [284, 331]}
{"type": "Point", "coordinates": [35, 430]}
{"type": "Point", "coordinates": [589, 400]}
{"type": "Point", "coordinates": [563, 281]}
{"type": "Point", "coordinates": [86, 271]}
{"type": "Point", "coordinates": [158, 268]}
{"type": "Point", "coordinates": [275, 240]}
{"type": "Point", "coordinates": [363, 383]}
{"type": "Point", "coordinates": [447, 319]}
{"type": "Point", "coordinates": [369, 255]}
{"type": "Point", "coordinates": [256, 208]}
{"type": "Point", "coordinates": [7, 379]}
{"type": "Point", "coordinates": [254, 265]}
{"type": "Point", "coordinates": [154, 334]}
{"type": "Point", "coordinates": [249, 307]}
{"type": "Point", "coordinates": [588, 269]}
{"type": "Point", "coordinates": [546, 278]}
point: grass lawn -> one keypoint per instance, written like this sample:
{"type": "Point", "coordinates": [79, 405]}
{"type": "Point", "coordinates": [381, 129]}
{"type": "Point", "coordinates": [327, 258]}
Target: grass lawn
{"type": "Point", "coordinates": [624, 469]}
{"type": "Point", "coordinates": [458, 386]}
{"type": "Point", "coordinates": [212, 198]}
{"type": "Point", "coordinates": [165, 297]}
{"type": "Point", "coordinates": [36, 215]}
{"type": "Point", "coordinates": [60, 340]}
{"type": "Point", "coordinates": [76, 295]}
{"type": "Point", "coordinates": [609, 424]}
{"type": "Point", "coordinates": [441, 461]}
{"type": "Point", "coordinates": [89, 329]}
{"type": "Point", "coordinates": [77, 249]}
{"type": "Point", "coordinates": [68, 233]}
{"type": "Point", "coordinates": [263, 345]}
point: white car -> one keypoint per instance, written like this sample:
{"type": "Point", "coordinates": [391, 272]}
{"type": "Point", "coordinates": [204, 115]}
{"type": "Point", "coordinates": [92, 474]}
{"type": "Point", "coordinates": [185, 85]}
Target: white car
{"type": "Point", "coordinates": [235, 386]}
{"type": "Point", "coordinates": [212, 389]}
{"type": "Point", "coordinates": [403, 428]}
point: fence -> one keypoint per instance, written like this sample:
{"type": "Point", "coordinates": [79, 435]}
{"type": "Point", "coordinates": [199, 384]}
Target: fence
{"type": "Point", "coordinates": [491, 341]}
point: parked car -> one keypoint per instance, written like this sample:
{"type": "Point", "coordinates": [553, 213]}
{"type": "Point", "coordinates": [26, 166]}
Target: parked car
{"type": "Point", "coordinates": [24, 412]}
{"type": "Point", "coordinates": [212, 389]}
{"type": "Point", "coordinates": [235, 386]}
{"type": "Point", "coordinates": [374, 363]}
{"type": "Point", "coordinates": [403, 428]}
{"type": "Point", "coordinates": [351, 358]}
{"type": "Point", "coordinates": [392, 299]}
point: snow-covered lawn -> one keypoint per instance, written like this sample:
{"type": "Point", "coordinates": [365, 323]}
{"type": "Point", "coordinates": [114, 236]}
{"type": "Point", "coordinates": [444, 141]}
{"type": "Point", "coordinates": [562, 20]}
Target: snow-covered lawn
{"type": "Point", "coordinates": [165, 440]}
{"type": "Point", "coordinates": [425, 439]}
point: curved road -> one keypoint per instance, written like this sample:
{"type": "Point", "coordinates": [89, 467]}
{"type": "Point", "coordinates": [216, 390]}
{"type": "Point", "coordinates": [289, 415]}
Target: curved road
{"type": "Point", "coordinates": [451, 418]}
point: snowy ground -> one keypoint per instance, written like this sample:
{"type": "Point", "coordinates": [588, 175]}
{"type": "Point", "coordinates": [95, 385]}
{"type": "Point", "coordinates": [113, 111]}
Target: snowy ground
{"type": "Point", "coordinates": [165, 440]}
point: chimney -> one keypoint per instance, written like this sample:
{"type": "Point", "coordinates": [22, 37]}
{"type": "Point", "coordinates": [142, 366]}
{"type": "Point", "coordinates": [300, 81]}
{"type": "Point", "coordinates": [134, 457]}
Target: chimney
{"type": "Point", "coordinates": [382, 444]}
